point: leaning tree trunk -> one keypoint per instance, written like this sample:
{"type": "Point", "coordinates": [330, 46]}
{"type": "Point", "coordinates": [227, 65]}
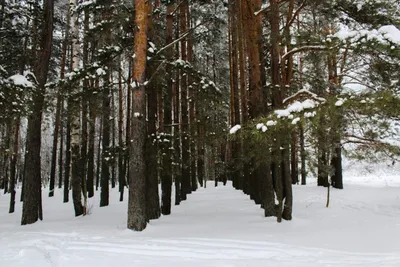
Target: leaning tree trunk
{"type": "Point", "coordinates": [137, 216]}
{"type": "Point", "coordinates": [32, 207]}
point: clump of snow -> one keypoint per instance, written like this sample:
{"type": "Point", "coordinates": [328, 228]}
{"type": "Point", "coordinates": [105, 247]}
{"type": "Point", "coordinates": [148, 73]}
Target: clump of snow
{"type": "Point", "coordinates": [295, 121]}
{"type": "Point", "coordinates": [271, 123]}
{"type": "Point", "coordinates": [259, 126]}
{"type": "Point", "coordinates": [295, 107]}
{"type": "Point", "coordinates": [100, 72]}
{"type": "Point", "coordinates": [282, 113]}
{"type": "Point", "coordinates": [264, 128]}
{"type": "Point", "coordinates": [20, 80]}
{"type": "Point", "coordinates": [339, 103]}
{"type": "Point", "coordinates": [391, 33]}
{"type": "Point", "coordinates": [308, 104]}
{"type": "Point", "coordinates": [235, 128]}
{"type": "Point", "coordinates": [310, 114]}
{"type": "Point", "coordinates": [136, 114]}
{"type": "Point", "coordinates": [382, 35]}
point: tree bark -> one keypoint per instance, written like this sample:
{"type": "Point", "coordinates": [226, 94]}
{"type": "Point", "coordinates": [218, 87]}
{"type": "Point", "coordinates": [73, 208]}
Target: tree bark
{"type": "Point", "coordinates": [32, 206]}
{"type": "Point", "coordinates": [185, 182]}
{"type": "Point", "coordinates": [13, 164]}
{"type": "Point", "coordinates": [137, 216]}
{"type": "Point", "coordinates": [74, 112]}
{"type": "Point", "coordinates": [167, 156]}
{"type": "Point", "coordinates": [121, 150]}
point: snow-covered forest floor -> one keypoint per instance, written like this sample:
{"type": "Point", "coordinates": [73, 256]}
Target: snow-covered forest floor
{"type": "Point", "coordinates": [219, 227]}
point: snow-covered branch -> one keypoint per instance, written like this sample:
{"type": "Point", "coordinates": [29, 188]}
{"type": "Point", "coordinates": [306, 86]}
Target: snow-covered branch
{"type": "Point", "coordinates": [302, 49]}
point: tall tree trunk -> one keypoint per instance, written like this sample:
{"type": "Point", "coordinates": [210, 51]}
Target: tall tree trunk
{"type": "Point", "coordinates": [294, 159]}
{"type": "Point", "coordinates": [234, 97]}
{"type": "Point", "coordinates": [177, 169]}
{"type": "Point", "coordinates": [128, 121]}
{"type": "Point", "coordinates": [85, 107]}
{"type": "Point", "coordinates": [99, 156]}
{"type": "Point", "coordinates": [58, 111]}
{"type": "Point", "coordinates": [121, 150]}
{"type": "Point", "coordinates": [137, 216]}
{"type": "Point", "coordinates": [13, 164]}
{"type": "Point", "coordinates": [74, 112]}
{"type": "Point", "coordinates": [151, 153]}
{"type": "Point", "coordinates": [32, 207]}
{"type": "Point", "coordinates": [67, 158]}
{"type": "Point", "coordinates": [303, 156]}
{"type": "Point", "coordinates": [112, 115]}
{"type": "Point", "coordinates": [166, 126]}
{"type": "Point", "coordinates": [106, 158]}
{"type": "Point", "coordinates": [192, 118]}
{"type": "Point", "coordinates": [336, 159]}
{"type": "Point", "coordinates": [6, 161]}
{"type": "Point", "coordinates": [185, 183]}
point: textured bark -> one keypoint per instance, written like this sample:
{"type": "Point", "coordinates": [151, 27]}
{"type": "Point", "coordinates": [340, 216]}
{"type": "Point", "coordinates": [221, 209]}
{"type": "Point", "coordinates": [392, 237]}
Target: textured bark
{"type": "Point", "coordinates": [252, 26]}
{"type": "Point", "coordinates": [57, 123]}
{"type": "Point", "coordinates": [106, 115]}
{"type": "Point", "coordinates": [336, 160]}
{"type": "Point", "coordinates": [268, 197]}
{"type": "Point", "coordinates": [322, 154]}
{"type": "Point", "coordinates": [152, 196]}
{"type": "Point", "coordinates": [137, 216]}
{"type": "Point", "coordinates": [91, 149]}
{"type": "Point", "coordinates": [128, 122]}
{"type": "Point", "coordinates": [167, 158]}
{"type": "Point", "coordinates": [74, 113]}
{"type": "Point", "coordinates": [200, 145]}
{"type": "Point", "coordinates": [13, 164]}
{"type": "Point", "coordinates": [67, 170]}
{"type": "Point", "coordinates": [177, 170]}
{"type": "Point", "coordinates": [6, 159]}
{"type": "Point", "coordinates": [192, 115]}
{"type": "Point", "coordinates": [61, 152]}
{"type": "Point", "coordinates": [234, 94]}
{"type": "Point", "coordinates": [303, 157]}
{"type": "Point", "coordinates": [185, 179]}
{"type": "Point", "coordinates": [112, 121]}
{"type": "Point", "coordinates": [99, 156]}
{"type": "Point", "coordinates": [243, 89]}
{"type": "Point", "coordinates": [84, 113]}
{"type": "Point", "coordinates": [287, 184]}
{"type": "Point", "coordinates": [32, 207]}
{"type": "Point", "coordinates": [294, 159]}
{"type": "Point", "coordinates": [121, 152]}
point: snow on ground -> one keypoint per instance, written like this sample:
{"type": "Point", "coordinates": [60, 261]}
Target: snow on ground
{"type": "Point", "coordinates": [215, 227]}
